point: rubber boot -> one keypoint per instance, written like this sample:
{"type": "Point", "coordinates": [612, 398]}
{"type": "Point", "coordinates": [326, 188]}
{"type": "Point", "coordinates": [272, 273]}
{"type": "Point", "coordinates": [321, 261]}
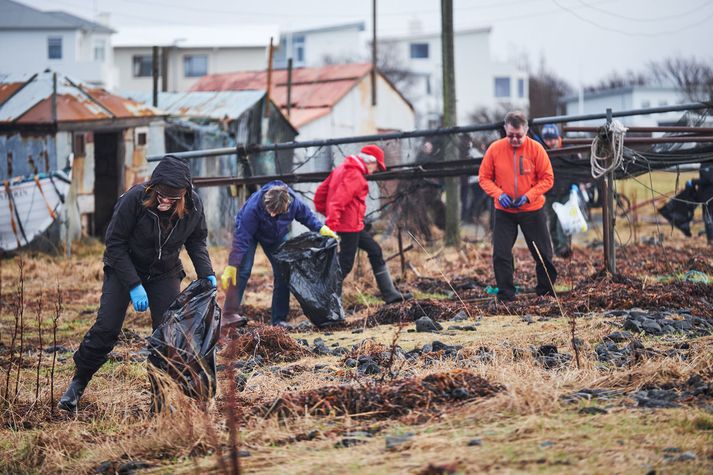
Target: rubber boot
{"type": "Point", "coordinates": [70, 398]}
{"type": "Point", "coordinates": [386, 286]}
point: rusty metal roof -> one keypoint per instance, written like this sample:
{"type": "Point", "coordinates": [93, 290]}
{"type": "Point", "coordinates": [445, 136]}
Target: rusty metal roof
{"type": "Point", "coordinates": [314, 90]}
{"type": "Point", "coordinates": [30, 102]}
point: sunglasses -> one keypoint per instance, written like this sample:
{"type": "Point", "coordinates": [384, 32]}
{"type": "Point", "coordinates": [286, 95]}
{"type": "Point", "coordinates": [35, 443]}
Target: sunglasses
{"type": "Point", "coordinates": [163, 197]}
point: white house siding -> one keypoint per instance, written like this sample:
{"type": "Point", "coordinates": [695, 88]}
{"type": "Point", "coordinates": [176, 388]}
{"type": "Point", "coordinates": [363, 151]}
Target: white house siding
{"type": "Point", "coordinates": [25, 52]}
{"type": "Point", "coordinates": [220, 60]}
{"type": "Point", "coordinates": [637, 97]}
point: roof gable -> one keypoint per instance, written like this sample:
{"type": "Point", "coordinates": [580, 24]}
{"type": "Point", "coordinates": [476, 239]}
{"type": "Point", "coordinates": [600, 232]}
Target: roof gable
{"type": "Point", "coordinates": [16, 16]}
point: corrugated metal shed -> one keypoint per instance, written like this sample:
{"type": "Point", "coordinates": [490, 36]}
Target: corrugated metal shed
{"type": "Point", "coordinates": [215, 105]}
{"type": "Point", "coordinates": [30, 102]}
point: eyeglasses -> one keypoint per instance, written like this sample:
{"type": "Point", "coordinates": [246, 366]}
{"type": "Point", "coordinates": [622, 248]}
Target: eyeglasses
{"type": "Point", "coordinates": [163, 197]}
{"type": "Point", "coordinates": [515, 136]}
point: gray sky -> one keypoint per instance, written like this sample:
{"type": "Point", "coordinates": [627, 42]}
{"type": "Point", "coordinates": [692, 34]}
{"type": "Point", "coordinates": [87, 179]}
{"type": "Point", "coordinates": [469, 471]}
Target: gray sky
{"type": "Point", "coordinates": [580, 40]}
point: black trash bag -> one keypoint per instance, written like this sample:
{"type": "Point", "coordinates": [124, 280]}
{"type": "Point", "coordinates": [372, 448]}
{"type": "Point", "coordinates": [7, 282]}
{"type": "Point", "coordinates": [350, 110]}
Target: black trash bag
{"type": "Point", "coordinates": [183, 346]}
{"type": "Point", "coordinates": [309, 263]}
{"type": "Point", "coordinates": [679, 213]}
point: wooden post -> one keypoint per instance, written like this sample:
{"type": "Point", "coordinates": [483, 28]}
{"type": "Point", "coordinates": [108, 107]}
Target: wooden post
{"type": "Point", "coordinates": [269, 80]}
{"type": "Point", "coordinates": [373, 53]}
{"type": "Point", "coordinates": [154, 74]}
{"type": "Point", "coordinates": [608, 214]}
{"type": "Point", "coordinates": [450, 150]}
{"type": "Point", "coordinates": [635, 217]}
{"type": "Point", "coordinates": [289, 87]}
{"type": "Point", "coordinates": [164, 68]}
{"type": "Point", "coordinates": [401, 254]}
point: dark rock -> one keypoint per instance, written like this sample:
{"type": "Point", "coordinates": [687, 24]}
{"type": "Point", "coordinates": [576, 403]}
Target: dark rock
{"type": "Point", "coordinates": [656, 398]}
{"type": "Point", "coordinates": [105, 467]}
{"type": "Point", "coordinates": [671, 450]}
{"type": "Point", "coordinates": [131, 467]}
{"type": "Point", "coordinates": [589, 394]}
{"type": "Point", "coordinates": [651, 326]}
{"type": "Point", "coordinates": [549, 357]}
{"type": "Point", "coordinates": [351, 439]}
{"type": "Point", "coordinates": [461, 316]}
{"type": "Point", "coordinates": [425, 324]}
{"type": "Point", "coordinates": [395, 441]}
{"type": "Point", "coordinates": [619, 337]}
{"type": "Point", "coordinates": [593, 410]}
{"type": "Point", "coordinates": [304, 326]}
{"type": "Point", "coordinates": [638, 313]}
{"type": "Point", "coordinates": [57, 348]}
{"type": "Point", "coordinates": [485, 354]}
{"type": "Point", "coordinates": [632, 325]}
{"type": "Point", "coordinates": [475, 443]}
{"type": "Point", "coordinates": [460, 393]}
{"type": "Point", "coordinates": [439, 346]}
{"type": "Point", "coordinates": [358, 330]}
{"type": "Point", "coordinates": [340, 351]}
{"type": "Point", "coordinates": [351, 363]}
{"type": "Point", "coordinates": [368, 366]}
{"type": "Point", "coordinates": [240, 382]}
{"type": "Point", "coordinates": [682, 325]}
{"type": "Point", "coordinates": [303, 342]}
{"type": "Point", "coordinates": [427, 348]}
{"type": "Point", "coordinates": [547, 443]}
{"type": "Point", "coordinates": [528, 319]}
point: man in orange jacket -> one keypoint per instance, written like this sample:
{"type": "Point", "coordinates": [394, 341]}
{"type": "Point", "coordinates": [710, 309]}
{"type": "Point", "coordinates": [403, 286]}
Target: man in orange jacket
{"type": "Point", "coordinates": [342, 199]}
{"type": "Point", "coordinates": [516, 172]}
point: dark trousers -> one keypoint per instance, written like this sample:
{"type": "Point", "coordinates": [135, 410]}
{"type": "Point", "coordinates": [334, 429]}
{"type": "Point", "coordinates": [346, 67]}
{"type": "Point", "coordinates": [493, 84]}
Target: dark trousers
{"type": "Point", "coordinates": [103, 335]}
{"type": "Point", "coordinates": [348, 245]}
{"type": "Point", "coordinates": [534, 227]}
{"type": "Point", "coordinates": [281, 290]}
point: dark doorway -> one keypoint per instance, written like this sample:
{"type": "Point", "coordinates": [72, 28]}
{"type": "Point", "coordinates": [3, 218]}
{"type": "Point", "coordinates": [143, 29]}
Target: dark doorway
{"type": "Point", "coordinates": [107, 178]}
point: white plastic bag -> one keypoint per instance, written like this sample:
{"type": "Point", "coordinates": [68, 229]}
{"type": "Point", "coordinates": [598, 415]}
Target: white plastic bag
{"type": "Point", "coordinates": [570, 215]}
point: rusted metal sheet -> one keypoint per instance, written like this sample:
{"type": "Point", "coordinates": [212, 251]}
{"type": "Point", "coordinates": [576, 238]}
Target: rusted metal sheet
{"type": "Point", "coordinates": [314, 90]}
{"type": "Point", "coordinates": [31, 102]}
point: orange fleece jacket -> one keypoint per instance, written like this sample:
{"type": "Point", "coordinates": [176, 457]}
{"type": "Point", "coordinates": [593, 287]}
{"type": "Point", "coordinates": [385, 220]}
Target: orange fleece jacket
{"type": "Point", "coordinates": [525, 170]}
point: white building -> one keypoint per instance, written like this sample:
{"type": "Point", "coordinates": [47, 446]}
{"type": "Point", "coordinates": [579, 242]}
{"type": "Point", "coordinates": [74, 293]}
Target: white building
{"type": "Point", "coordinates": [317, 46]}
{"type": "Point", "coordinates": [627, 98]}
{"type": "Point", "coordinates": [32, 40]}
{"type": "Point", "coordinates": [481, 81]}
{"type": "Point", "coordinates": [187, 53]}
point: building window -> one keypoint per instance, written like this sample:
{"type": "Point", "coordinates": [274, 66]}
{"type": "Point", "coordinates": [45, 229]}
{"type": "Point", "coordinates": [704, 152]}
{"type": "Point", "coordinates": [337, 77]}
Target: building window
{"type": "Point", "coordinates": [141, 139]}
{"type": "Point", "coordinates": [54, 47]}
{"type": "Point", "coordinates": [99, 51]}
{"type": "Point", "coordinates": [520, 88]}
{"type": "Point", "coordinates": [419, 50]}
{"type": "Point", "coordinates": [502, 87]}
{"type": "Point", "coordinates": [195, 65]}
{"type": "Point", "coordinates": [142, 65]}
{"type": "Point", "coordinates": [298, 50]}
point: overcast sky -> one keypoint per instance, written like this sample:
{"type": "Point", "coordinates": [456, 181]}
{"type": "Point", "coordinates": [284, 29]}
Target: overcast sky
{"type": "Point", "coordinates": [580, 40]}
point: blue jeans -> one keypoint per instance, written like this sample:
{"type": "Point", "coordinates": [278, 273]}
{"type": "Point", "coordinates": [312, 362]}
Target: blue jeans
{"type": "Point", "coordinates": [280, 293]}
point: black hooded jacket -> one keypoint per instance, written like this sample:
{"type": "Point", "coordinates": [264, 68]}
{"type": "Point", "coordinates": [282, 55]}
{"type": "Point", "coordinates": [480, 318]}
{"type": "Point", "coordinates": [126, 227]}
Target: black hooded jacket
{"type": "Point", "coordinates": [133, 237]}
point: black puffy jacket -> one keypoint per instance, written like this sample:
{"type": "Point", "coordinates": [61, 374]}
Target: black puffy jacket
{"type": "Point", "coordinates": [133, 237]}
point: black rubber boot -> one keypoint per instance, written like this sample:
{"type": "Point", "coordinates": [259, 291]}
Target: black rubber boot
{"type": "Point", "coordinates": [70, 398]}
{"type": "Point", "coordinates": [386, 286]}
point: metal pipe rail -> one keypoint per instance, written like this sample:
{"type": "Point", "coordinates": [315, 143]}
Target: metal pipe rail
{"type": "Point", "coordinates": [257, 148]}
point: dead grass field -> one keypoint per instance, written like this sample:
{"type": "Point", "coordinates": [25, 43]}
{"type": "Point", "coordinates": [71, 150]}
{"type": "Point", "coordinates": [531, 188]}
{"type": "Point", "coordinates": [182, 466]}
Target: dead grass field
{"type": "Point", "coordinates": [649, 411]}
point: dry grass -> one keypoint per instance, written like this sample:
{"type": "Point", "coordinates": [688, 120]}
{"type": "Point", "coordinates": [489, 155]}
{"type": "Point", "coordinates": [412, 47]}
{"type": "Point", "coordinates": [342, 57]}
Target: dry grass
{"type": "Point", "coordinates": [524, 427]}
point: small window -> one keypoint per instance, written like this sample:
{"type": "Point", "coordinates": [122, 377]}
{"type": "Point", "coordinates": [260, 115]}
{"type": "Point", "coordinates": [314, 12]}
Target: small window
{"type": "Point", "coordinates": [79, 145]}
{"type": "Point", "coordinates": [195, 65]}
{"type": "Point", "coordinates": [419, 50]}
{"type": "Point", "coordinates": [99, 51]}
{"type": "Point", "coordinates": [141, 139]}
{"type": "Point", "coordinates": [298, 50]}
{"type": "Point", "coordinates": [142, 65]}
{"type": "Point", "coordinates": [502, 87]}
{"type": "Point", "coordinates": [54, 47]}
{"type": "Point", "coordinates": [520, 88]}
{"type": "Point", "coordinates": [645, 104]}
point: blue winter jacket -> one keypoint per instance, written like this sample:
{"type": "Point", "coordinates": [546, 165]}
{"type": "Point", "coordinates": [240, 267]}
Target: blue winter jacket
{"type": "Point", "coordinates": [253, 222]}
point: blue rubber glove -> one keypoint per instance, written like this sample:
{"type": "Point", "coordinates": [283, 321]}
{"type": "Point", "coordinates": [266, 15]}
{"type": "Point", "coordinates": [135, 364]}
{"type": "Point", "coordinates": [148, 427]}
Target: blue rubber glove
{"type": "Point", "coordinates": [520, 201]}
{"type": "Point", "coordinates": [139, 298]}
{"type": "Point", "coordinates": [213, 281]}
{"type": "Point", "coordinates": [505, 200]}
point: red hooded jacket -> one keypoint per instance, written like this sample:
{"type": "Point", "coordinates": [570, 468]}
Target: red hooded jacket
{"type": "Point", "coordinates": [342, 196]}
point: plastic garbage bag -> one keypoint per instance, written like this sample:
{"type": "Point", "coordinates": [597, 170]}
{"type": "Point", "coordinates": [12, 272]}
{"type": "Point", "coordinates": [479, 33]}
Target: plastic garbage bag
{"type": "Point", "coordinates": [680, 213]}
{"type": "Point", "coordinates": [183, 346]}
{"type": "Point", "coordinates": [570, 214]}
{"type": "Point", "coordinates": [310, 265]}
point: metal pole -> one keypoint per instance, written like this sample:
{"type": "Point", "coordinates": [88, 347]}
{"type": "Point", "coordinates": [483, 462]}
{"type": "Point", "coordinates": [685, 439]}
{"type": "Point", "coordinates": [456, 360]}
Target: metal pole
{"type": "Point", "coordinates": [401, 253]}
{"type": "Point", "coordinates": [154, 75]}
{"type": "Point", "coordinates": [608, 215]}
{"type": "Point", "coordinates": [269, 80]}
{"type": "Point", "coordinates": [289, 86]}
{"type": "Point", "coordinates": [164, 69]}
{"type": "Point", "coordinates": [373, 53]}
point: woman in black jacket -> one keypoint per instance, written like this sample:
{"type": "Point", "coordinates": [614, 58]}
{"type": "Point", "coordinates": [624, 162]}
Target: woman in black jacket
{"type": "Point", "coordinates": [150, 224]}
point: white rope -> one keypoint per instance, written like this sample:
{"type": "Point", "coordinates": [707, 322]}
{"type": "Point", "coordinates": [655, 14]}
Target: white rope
{"type": "Point", "coordinates": [613, 147]}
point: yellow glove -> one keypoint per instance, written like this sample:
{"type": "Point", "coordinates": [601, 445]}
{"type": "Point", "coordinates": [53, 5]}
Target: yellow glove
{"type": "Point", "coordinates": [325, 231]}
{"type": "Point", "coordinates": [230, 274]}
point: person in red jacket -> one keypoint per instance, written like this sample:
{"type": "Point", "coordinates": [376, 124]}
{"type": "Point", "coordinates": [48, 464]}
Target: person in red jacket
{"type": "Point", "coordinates": [342, 199]}
{"type": "Point", "coordinates": [516, 172]}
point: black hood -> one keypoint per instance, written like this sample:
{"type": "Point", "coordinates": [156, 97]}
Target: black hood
{"type": "Point", "coordinates": [172, 171]}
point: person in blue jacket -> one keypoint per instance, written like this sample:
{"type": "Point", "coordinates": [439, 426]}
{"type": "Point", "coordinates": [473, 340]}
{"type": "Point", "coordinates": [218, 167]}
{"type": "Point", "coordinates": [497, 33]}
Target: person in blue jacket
{"type": "Point", "coordinates": [265, 219]}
